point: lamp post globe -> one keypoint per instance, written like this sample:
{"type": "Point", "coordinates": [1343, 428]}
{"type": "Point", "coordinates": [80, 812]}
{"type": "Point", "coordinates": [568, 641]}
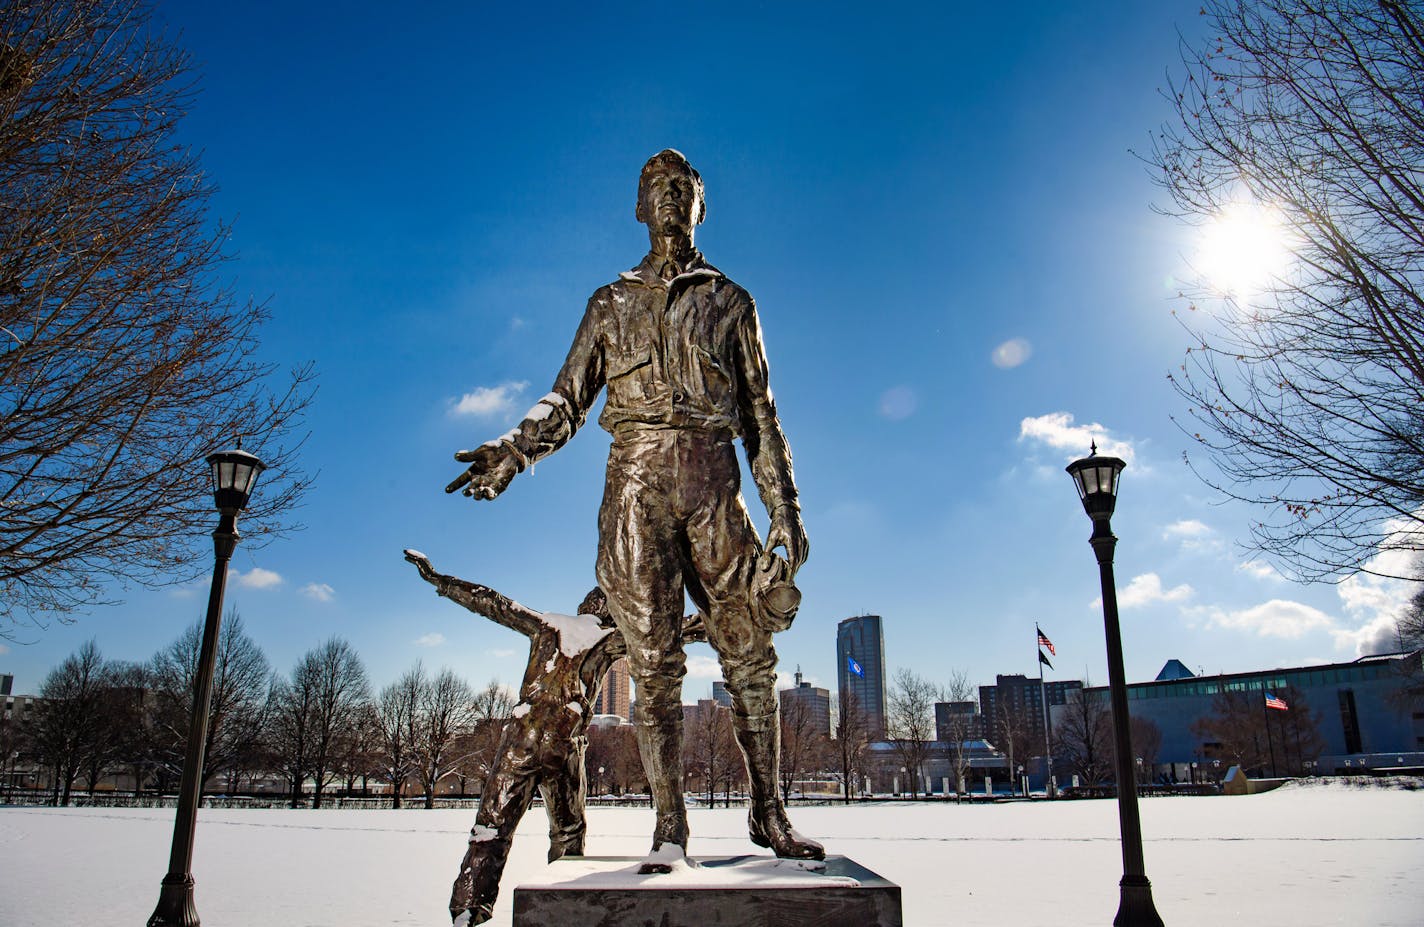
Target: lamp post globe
{"type": "Point", "coordinates": [1096, 478]}
{"type": "Point", "coordinates": [234, 473]}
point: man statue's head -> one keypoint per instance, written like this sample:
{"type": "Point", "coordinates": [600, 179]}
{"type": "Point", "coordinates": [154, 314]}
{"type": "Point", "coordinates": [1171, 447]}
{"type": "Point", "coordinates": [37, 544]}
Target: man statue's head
{"type": "Point", "coordinates": [670, 194]}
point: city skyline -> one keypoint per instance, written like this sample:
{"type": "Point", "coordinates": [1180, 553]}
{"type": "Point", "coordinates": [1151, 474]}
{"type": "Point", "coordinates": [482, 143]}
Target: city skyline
{"type": "Point", "coordinates": [956, 265]}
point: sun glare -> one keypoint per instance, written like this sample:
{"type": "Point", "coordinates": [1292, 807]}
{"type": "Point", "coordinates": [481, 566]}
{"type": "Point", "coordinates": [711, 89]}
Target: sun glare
{"type": "Point", "coordinates": [1243, 249]}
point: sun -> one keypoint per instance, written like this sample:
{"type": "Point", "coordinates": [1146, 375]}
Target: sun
{"type": "Point", "coordinates": [1243, 250]}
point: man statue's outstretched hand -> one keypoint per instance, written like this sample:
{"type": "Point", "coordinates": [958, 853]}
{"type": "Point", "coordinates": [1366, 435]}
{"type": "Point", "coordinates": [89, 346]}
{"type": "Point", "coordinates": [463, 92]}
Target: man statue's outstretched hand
{"type": "Point", "coordinates": [788, 533]}
{"type": "Point", "coordinates": [492, 468]}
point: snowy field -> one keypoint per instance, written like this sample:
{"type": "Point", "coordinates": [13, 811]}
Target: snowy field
{"type": "Point", "coordinates": [1296, 856]}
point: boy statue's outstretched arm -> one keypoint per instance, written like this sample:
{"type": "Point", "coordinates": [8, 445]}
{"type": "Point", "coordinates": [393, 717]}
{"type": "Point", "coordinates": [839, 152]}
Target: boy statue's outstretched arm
{"type": "Point", "coordinates": [481, 600]}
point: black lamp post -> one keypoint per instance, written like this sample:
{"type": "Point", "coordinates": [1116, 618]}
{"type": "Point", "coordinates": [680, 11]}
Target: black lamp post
{"type": "Point", "coordinates": [234, 473]}
{"type": "Point", "coordinates": [1097, 478]}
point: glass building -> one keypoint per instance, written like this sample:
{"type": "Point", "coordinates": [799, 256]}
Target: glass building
{"type": "Point", "coordinates": [860, 668]}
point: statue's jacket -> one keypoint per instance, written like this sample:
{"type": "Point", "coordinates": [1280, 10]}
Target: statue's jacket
{"type": "Point", "coordinates": [679, 353]}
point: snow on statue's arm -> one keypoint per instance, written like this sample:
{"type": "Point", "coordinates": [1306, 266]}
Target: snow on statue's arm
{"type": "Point", "coordinates": [481, 600]}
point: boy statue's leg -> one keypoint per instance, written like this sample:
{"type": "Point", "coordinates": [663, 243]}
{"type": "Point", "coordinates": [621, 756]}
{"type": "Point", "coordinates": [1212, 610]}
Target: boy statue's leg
{"type": "Point", "coordinates": [563, 786]}
{"type": "Point", "coordinates": [507, 793]}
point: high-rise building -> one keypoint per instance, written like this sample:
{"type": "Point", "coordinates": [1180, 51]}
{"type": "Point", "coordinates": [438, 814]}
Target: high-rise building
{"type": "Point", "coordinates": [1012, 708]}
{"type": "Point", "coordinates": [860, 668]}
{"type": "Point", "coordinates": [720, 695]}
{"type": "Point", "coordinates": [808, 704]}
{"type": "Point", "coordinates": [958, 722]}
{"type": "Point", "coordinates": [613, 694]}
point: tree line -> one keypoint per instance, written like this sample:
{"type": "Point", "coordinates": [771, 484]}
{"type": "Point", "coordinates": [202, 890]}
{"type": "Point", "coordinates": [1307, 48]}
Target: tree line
{"type": "Point", "coordinates": [318, 727]}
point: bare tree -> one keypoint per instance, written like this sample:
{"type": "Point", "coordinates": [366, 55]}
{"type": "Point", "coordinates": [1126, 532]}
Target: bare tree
{"type": "Point", "coordinates": [68, 719]}
{"type": "Point", "coordinates": [447, 710]}
{"type": "Point", "coordinates": [708, 748]}
{"type": "Point", "coordinates": [851, 732]}
{"type": "Point", "coordinates": [1410, 696]}
{"type": "Point", "coordinates": [314, 714]}
{"type": "Point", "coordinates": [911, 723]}
{"type": "Point", "coordinates": [122, 736]}
{"type": "Point", "coordinates": [1083, 736]}
{"type": "Point", "coordinates": [396, 719]}
{"type": "Point", "coordinates": [123, 358]}
{"type": "Point", "coordinates": [803, 747]}
{"type": "Point", "coordinates": [340, 693]}
{"type": "Point", "coordinates": [1242, 731]}
{"type": "Point", "coordinates": [1308, 398]}
{"type": "Point", "coordinates": [1411, 623]}
{"type": "Point", "coordinates": [238, 711]}
{"type": "Point", "coordinates": [614, 750]}
{"type": "Point", "coordinates": [1146, 744]}
{"type": "Point", "coordinates": [954, 728]}
{"type": "Point", "coordinates": [291, 710]}
{"type": "Point", "coordinates": [16, 746]}
{"type": "Point", "coordinates": [1020, 732]}
{"type": "Point", "coordinates": [492, 708]}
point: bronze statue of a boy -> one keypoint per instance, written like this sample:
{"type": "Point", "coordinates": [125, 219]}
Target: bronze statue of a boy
{"type": "Point", "coordinates": [542, 745]}
{"type": "Point", "coordinates": [678, 347]}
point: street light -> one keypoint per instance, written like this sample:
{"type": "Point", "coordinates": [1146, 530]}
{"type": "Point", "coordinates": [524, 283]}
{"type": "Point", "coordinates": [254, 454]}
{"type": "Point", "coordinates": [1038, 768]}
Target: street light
{"type": "Point", "coordinates": [1097, 481]}
{"type": "Point", "coordinates": [234, 473]}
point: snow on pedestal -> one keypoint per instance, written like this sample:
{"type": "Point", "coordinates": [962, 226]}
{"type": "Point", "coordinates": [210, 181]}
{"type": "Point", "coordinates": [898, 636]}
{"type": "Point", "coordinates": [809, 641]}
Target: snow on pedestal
{"type": "Point", "coordinates": [744, 891]}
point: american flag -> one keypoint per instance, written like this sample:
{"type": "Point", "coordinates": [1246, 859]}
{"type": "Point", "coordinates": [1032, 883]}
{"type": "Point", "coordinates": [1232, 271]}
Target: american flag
{"type": "Point", "coordinates": [1277, 703]}
{"type": "Point", "coordinates": [1043, 641]}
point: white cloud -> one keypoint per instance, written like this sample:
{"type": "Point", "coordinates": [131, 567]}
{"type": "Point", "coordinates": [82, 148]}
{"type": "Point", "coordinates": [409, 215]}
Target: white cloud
{"type": "Point", "coordinates": [1378, 636]}
{"type": "Point", "coordinates": [257, 578]}
{"type": "Point", "coordinates": [1193, 535]}
{"type": "Point", "coordinates": [1373, 603]}
{"type": "Point", "coordinates": [501, 654]}
{"type": "Point", "coordinates": [700, 666]}
{"type": "Point", "coordinates": [1276, 618]}
{"type": "Point", "coordinates": [321, 592]}
{"type": "Point", "coordinates": [1056, 429]}
{"type": "Point", "coordinates": [898, 403]}
{"type": "Point", "coordinates": [1012, 353]}
{"type": "Point", "coordinates": [1145, 590]}
{"type": "Point", "coordinates": [433, 639]}
{"type": "Point", "coordinates": [1368, 599]}
{"type": "Point", "coordinates": [1186, 528]}
{"type": "Point", "coordinates": [489, 401]}
{"type": "Point", "coordinates": [1260, 570]}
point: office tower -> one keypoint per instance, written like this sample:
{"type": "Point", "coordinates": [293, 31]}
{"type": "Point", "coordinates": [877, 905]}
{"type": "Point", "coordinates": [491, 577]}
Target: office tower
{"type": "Point", "coordinates": [613, 694]}
{"type": "Point", "coordinates": [860, 668]}
{"type": "Point", "coordinates": [720, 695]}
{"type": "Point", "coordinates": [808, 704]}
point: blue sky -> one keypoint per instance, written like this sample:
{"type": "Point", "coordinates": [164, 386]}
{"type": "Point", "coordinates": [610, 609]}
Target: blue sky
{"type": "Point", "coordinates": [959, 277]}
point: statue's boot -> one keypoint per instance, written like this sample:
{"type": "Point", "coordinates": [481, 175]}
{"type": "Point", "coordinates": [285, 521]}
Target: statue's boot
{"type": "Point", "coordinates": [759, 738]}
{"type": "Point", "coordinates": [659, 732]}
{"type": "Point", "coordinates": [559, 847]}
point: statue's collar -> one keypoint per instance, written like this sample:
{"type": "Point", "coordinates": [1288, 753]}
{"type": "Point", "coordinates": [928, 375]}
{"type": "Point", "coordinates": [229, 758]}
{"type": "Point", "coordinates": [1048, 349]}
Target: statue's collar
{"type": "Point", "coordinates": [647, 274]}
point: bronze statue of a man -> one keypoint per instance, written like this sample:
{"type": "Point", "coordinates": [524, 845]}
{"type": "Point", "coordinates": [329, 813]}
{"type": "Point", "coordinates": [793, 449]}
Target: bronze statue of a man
{"type": "Point", "coordinates": [679, 348]}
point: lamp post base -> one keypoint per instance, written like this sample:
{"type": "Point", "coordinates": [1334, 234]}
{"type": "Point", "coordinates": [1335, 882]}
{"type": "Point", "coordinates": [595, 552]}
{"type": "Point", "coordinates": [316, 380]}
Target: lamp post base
{"type": "Point", "coordinates": [175, 903]}
{"type": "Point", "coordinates": [1135, 909]}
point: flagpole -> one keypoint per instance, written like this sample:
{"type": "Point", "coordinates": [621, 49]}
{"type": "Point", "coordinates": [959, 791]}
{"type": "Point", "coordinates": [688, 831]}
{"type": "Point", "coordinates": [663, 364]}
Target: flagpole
{"type": "Point", "coordinates": [1043, 695]}
{"type": "Point", "coordinates": [1270, 744]}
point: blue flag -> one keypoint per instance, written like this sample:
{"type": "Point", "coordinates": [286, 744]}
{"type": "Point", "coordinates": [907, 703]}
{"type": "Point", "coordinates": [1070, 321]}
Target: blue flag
{"type": "Point", "coordinates": [853, 666]}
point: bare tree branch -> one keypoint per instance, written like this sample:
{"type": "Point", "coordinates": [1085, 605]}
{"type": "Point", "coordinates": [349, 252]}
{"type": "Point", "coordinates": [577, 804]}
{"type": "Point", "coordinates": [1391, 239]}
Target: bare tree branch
{"type": "Point", "coordinates": [1308, 401]}
{"type": "Point", "coordinates": [125, 358]}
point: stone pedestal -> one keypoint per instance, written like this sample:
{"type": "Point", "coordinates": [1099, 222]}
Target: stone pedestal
{"type": "Point", "coordinates": [725, 891]}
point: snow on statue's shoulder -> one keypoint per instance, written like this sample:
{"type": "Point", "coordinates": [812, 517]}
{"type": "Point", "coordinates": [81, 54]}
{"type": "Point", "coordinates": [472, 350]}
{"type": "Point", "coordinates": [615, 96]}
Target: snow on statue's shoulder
{"type": "Point", "coordinates": [577, 633]}
{"type": "Point", "coordinates": [412, 552]}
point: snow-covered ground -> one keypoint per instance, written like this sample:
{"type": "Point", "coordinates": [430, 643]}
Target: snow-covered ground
{"type": "Point", "coordinates": [1294, 857]}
